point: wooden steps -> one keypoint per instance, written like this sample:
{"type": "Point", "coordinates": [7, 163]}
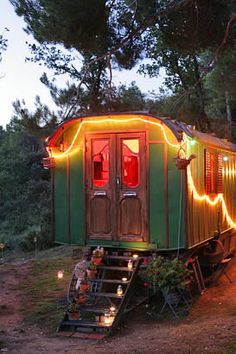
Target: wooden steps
{"type": "Point", "coordinates": [96, 315]}
{"type": "Point", "coordinates": [116, 268]}
{"type": "Point", "coordinates": [112, 281]}
{"type": "Point", "coordinates": [110, 295]}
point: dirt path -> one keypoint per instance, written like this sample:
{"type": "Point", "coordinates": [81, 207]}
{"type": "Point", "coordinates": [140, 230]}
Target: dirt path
{"type": "Point", "coordinates": [209, 328]}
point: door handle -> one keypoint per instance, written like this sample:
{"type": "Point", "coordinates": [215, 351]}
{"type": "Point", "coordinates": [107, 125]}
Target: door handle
{"type": "Point", "coordinates": [130, 194]}
{"type": "Point", "coordinates": [100, 193]}
{"type": "Point", "coordinates": [117, 182]}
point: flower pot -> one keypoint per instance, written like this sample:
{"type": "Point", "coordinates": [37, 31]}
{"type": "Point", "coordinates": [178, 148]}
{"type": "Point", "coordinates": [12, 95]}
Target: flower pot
{"type": "Point", "coordinates": [73, 316]}
{"type": "Point", "coordinates": [181, 164]}
{"type": "Point", "coordinates": [84, 287]}
{"type": "Point", "coordinates": [96, 260]}
{"type": "Point", "coordinates": [81, 300]}
{"type": "Point", "coordinates": [91, 273]}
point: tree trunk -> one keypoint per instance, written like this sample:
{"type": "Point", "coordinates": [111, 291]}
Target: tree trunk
{"type": "Point", "coordinates": [228, 114]}
{"type": "Point", "coordinates": [203, 121]}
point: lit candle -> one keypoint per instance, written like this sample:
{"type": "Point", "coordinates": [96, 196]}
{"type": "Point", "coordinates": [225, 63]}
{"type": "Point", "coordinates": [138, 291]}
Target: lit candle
{"type": "Point", "coordinates": [130, 264]}
{"type": "Point", "coordinates": [107, 318]}
{"type": "Point", "coordinates": [60, 274]}
{"type": "Point", "coordinates": [119, 290]}
{"type": "Point", "coordinates": [112, 310]}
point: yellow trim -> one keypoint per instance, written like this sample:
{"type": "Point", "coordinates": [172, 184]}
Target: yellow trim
{"type": "Point", "coordinates": [111, 120]}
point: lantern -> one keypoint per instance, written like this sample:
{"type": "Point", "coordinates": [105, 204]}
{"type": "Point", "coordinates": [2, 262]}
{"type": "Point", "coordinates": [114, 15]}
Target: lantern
{"type": "Point", "coordinates": [119, 290]}
{"type": "Point", "coordinates": [107, 319]}
{"type": "Point", "coordinates": [112, 310]}
{"type": "Point", "coordinates": [130, 264]}
{"type": "Point", "coordinates": [60, 274]}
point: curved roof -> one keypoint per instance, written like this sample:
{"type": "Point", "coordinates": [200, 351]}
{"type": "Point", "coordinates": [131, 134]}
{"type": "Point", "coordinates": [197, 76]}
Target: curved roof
{"type": "Point", "coordinates": [177, 128]}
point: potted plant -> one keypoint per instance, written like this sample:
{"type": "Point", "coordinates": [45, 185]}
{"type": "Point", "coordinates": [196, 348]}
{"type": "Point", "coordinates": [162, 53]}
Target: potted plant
{"type": "Point", "coordinates": [84, 285]}
{"type": "Point", "coordinates": [97, 255]}
{"type": "Point", "coordinates": [167, 275]}
{"type": "Point", "coordinates": [80, 298]}
{"type": "Point", "coordinates": [73, 311]}
{"type": "Point", "coordinates": [91, 270]}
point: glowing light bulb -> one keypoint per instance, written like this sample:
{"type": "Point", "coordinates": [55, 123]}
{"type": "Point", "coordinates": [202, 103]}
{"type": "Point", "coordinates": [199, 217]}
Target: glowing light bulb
{"type": "Point", "coordinates": [107, 318]}
{"type": "Point", "coordinates": [135, 256]}
{"type": "Point", "coordinates": [119, 290]}
{"type": "Point", "coordinates": [60, 274]}
{"type": "Point", "coordinates": [192, 142]}
{"type": "Point", "coordinates": [124, 279]}
{"type": "Point", "coordinates": [112, 310]}
{"type": "Point", "coordinates": [130, 264]}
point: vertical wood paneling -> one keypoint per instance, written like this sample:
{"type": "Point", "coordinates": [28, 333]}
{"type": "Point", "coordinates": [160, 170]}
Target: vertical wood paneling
{"type": "Point", "coordinates": [175, 207]}
{"type": "Point", "coordinates": [68, 193]}
{"type": "Point", "coordinates": [157, 195]}
{"type": "Point", "coordinates": [61, 205]}
{"type": "Point", "coordinates": [77, 199]}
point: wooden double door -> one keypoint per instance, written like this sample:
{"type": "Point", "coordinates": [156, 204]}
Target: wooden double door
{"type": "Point", "coordinates": [116, 186]}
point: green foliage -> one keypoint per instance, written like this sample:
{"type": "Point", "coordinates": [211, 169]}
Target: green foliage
{"type": "Point", "coordinates": [92, 266]}
{"type": "Point", "coordinates": [174, 35]}
{"type": "Point", "coordinates": [165, 273]}
{"type": "Point", "coordinates": [3, 44]}
{"type": "Point", "coordinates": [73, 307]}
{"type": "Point", "coordinates": [24, 184]}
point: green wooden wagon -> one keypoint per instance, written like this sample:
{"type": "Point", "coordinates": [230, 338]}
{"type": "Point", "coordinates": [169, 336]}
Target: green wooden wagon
{"type": "Point", "coordinates": [142, 184]}
{"type": "Point", "coordinates": [126, 181]}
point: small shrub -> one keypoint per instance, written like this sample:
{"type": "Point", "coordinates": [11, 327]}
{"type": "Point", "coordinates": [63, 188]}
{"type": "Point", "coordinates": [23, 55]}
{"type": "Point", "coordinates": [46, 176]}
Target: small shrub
{"type": "Point", "coordinates": [165, 273]}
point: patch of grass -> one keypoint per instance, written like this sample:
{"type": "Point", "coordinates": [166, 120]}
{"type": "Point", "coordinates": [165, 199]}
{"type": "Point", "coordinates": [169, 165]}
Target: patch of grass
{"type": "Point", "coordinates": [232, 312]}
{"type": "Point", "coordinates": [47, 314]}
{"type": "Point", "coordinates": [231, 348]}
{"type": "Point", "coordinates": [43, 292]}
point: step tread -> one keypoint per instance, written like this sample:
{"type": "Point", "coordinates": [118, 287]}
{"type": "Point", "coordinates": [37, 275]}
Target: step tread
{"type": "Point", "coordinates": [112, 281]}
{"type": "Point", "coordinates": [126, 269]}
{"type": "Point", "coordinates": [94, 309]}
{"type": "Point", "coordinates": [82, 323]}
{"type": "Point", "coordinates": [123, 258]}
{"type": "Point", "coordinates": [107, 295]}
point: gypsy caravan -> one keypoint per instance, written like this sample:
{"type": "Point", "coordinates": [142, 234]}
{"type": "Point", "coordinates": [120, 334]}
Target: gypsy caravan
{"type": "Point", "coordinates": [132, 184]}
{"type": "Point", "coordinates": [135, 181]}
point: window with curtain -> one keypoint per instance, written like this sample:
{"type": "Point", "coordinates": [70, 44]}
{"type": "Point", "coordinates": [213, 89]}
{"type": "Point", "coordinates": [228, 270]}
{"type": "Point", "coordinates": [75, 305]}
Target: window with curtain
{"type": "Point", "coordinates": [213, 172]}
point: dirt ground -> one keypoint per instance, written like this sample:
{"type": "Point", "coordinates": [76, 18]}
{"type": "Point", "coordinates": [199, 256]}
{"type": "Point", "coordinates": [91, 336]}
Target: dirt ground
{"type": "Point", "coordinates": [210, 327]}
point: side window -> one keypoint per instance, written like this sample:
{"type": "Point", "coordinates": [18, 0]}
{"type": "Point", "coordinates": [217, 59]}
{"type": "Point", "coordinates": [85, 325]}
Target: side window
{"type": "Point", "coordinates": [130, 162]}
{"type": "Point", "coordinates": [100, 162]}
{"type": "Point", "coordinates": [213, 172]}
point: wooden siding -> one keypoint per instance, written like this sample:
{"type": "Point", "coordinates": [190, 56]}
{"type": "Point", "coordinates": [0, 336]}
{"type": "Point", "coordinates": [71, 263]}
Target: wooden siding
{"type": "Point", "coordinates": [229, 188]}
{"type": "Point", "coordinates": [175, 203]}
{"type": "Point", "coordinates": [158, 227]}
{"type": "Point", "coordinates": [204, 220]}
{"type": "Point", "coordinates": [61, 203]}
{"type": "Point", "coordinates": [77, 202]}
{"type": "Point", "coordinates": [202, 217]}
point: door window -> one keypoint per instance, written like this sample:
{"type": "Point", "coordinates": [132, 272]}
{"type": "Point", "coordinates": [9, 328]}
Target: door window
{"type": "Point", "coordinates": [100, 161]}
{"type": "Point", "coordinates": [130, 162]}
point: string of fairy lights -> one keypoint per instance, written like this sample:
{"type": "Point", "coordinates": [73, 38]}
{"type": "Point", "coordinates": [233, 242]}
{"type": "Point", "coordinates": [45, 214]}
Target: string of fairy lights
{"type": "Point", "coordinates": [72, 148]}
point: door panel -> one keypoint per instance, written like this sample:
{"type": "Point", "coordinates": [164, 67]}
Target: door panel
{"type": "Point", "coordinates": [130, 217]}
{"type": "Point", "coordinates": [116, 186]}
{"type": "Point", "coordinates": [131, 194]}
{"type": "Point", "coordinates": [100, 207]}
{"type": "Point", "coordinates": [99, 194]}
